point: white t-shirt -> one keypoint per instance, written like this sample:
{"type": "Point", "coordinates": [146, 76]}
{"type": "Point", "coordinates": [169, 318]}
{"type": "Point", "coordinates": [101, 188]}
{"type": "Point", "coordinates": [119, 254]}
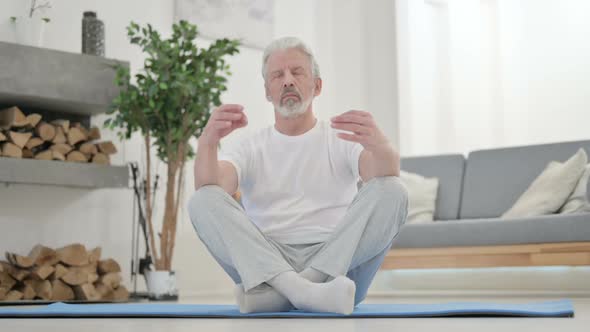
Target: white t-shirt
{"type": "Point", "coordinates": [296, 189]}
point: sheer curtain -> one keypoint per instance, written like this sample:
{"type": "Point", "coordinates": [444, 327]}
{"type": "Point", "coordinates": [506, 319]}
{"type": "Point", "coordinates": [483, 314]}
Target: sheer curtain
{"type": "Point", "coordinates": [477, 74]}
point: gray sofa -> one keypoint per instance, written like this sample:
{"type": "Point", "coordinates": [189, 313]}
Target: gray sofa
{"type": "Point", "coordinates": [474, 192]}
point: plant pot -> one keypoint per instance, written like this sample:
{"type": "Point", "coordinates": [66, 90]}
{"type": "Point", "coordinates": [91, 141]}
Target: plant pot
{"type": "Point", "coordinates": [161, 285]}
{"type": "Point", "coordinates": [29, 31]}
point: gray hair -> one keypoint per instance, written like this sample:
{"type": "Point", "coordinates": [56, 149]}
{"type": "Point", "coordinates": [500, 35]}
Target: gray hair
{"type": "Point", "coordinates": [287, 43]}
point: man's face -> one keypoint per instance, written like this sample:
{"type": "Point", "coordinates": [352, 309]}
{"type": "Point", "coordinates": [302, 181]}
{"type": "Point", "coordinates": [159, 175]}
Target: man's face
{"type": "Point", "coordinates": [290, 84]}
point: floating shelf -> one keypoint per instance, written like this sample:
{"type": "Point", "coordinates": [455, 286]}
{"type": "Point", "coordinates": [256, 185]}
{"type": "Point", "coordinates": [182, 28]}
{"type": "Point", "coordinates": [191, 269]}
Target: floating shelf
{"type": "Point", "coordinates": [65, 174]}
{"type": "Point", "coordinates": [53, 80]}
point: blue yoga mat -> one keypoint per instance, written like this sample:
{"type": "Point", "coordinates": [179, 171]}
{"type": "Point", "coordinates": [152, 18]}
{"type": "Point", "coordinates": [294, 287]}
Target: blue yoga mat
{"type": "Point", "coordinates": [561, 308]}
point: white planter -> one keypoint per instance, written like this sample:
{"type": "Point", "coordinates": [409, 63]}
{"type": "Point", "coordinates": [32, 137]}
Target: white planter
{"type": "Point", "coordinates": [29, 31]}
{"type": "Point", "coordinates": [161, 285]}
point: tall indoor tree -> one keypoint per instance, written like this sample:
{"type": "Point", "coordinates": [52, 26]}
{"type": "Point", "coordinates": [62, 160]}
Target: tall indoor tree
{"type": "Point", "coordinates": [169, 102]}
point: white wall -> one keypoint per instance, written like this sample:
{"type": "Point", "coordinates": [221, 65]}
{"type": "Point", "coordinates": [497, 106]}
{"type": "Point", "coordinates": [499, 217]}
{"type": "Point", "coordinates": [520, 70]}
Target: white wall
{"type": "Point", "coordinates": [337, 32]}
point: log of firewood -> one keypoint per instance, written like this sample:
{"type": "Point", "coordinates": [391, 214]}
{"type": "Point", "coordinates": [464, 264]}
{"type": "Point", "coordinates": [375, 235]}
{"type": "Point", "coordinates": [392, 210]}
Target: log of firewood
{"type": "Point", "coordinates": [94, 134]}
{"type": "Point", "coordinates": [112, 279]}
{"type": "Point", "coordinates": [56, 155]}
{"type": "Point", "coordinates": [43, 255]}
{"type": "Point", "coordinates": [45, 131]}
{"type": "Point", "coordinates": [108, 265]}
{"type": "Point", "coordinates": [77, 156]}
{"type": "Point", "coordinates": [28, 154]}
{"type": "Point", "coordinates": [82, 129]}
{"type": "Point", "coordinates": [27, 290]}
{"type": "Point", "coordinates": [89, 149]}
{"type": "Point", "coordinates": [86, 292]}
{"type": "Point", "coordinates": [3, 137]}
{"type": "Point", "coordinates": [3, 292]}
{"type": "Point", "coordinates": [121, 294]}
{"type": "Point", "coordinates": [73, 254]}
{"type": "Point", "coordinates": [59, 272]}
{"type": "Point", "coordinates": [60, 136]}
{"type": "Point", "coordinates": [64, 124]}
{"type": "Point", "coordinates": [90, 270]}
{"type": "Point", "coordinates": [107, 147]}
{"type": "Point", "coordinates": [6, 281]}
{"type": "Point", "coordinates": [93, 277]}
{"type": "Point", "coordinates": [33, 142]}
{"type": "Point", "coordinates": [11, 150]}
{"type": "Point", "coordinates": [75, 136]}
{"type": "Point", "coordinates": [94, 255]}
{"type": "Point", "coordinates": [33, 119]}
{"type": "Point", "coordinates": [75, 276]}
{"type": "Point", "coordinates": [62, 148]}
{"type": "Point", "coordinates": [12, 117]}
{"type": "Point", "coordinates": [14, 272]}
{"type": "Point", "coordinates": [13, 295]}
{"type": "Point", "coordinates": [101, 158]}
{"type": "Point", "coordinates": [42, 288]}
{"type": "Point", "coordinates": [43, 271]}
{"type": "Point", "coordinates": [61, 291]}
{"type": "Point", "coordinates": [19, 139]}
{"type": "Point", "coordinates": [106, 292]}
{"type": "Point", "coordinates": [44, 155]}
{"type": "Point", "coordinates": [18, 260]}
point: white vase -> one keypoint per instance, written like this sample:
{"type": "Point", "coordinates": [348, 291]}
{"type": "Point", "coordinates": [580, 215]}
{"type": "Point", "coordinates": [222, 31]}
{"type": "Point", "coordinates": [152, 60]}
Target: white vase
{"type": "Point", "coordinates": [161, 285]}
{"type": "Point", "coordinates": [29, 31]}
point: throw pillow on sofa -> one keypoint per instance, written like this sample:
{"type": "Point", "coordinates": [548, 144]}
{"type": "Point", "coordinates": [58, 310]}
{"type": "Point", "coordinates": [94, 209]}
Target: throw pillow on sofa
{"type": "Point", "coordinates": [422, 194]}
{"type": "Point", "coordinates": [578, 200]}
{"type": "Point", "coordinates": [550, 189]}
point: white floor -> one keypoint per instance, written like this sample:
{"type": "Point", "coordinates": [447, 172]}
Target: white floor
{"type": "Point", "coordinates": [581, 322]}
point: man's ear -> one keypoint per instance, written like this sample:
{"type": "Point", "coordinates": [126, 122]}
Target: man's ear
{"type": "Point", "coordinates": [318, 87]}
{"type": "Point", "coordinates": [267, 92]}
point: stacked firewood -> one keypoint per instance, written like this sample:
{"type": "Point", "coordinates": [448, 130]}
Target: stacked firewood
{"type": "Point", "coordinates": [66, 274]}
{"type": "Point", "coordinates": [28, 136]}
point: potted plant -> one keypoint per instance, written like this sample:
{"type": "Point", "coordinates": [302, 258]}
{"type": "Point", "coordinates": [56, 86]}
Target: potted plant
{"type": "Point", "coordinates": [169, 102]}
{"type": "Point", "coordinates": [28, 29]}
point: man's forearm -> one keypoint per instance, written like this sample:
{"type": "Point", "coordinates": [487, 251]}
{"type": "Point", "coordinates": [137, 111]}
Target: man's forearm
{"type": "Point", "coordinates": [385, 161]}
{"type": "Point", "coordinates": [206, 166]}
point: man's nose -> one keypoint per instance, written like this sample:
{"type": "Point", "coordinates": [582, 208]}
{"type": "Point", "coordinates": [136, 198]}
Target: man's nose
{"type": "Point", "coordinates": [289, 80]}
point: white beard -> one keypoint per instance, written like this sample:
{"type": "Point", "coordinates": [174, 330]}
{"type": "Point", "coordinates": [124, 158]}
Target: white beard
{"type": "Point", "coordinates": [292, 109]}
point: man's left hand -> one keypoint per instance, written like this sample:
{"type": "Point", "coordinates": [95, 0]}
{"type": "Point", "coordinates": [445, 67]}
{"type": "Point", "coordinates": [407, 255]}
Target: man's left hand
{"type": "Point", "coordinates": [363, 130]}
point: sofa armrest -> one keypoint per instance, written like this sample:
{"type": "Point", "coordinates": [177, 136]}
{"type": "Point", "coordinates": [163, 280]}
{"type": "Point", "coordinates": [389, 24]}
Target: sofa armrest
{"type": "Point", "coordinates": [588, 190]}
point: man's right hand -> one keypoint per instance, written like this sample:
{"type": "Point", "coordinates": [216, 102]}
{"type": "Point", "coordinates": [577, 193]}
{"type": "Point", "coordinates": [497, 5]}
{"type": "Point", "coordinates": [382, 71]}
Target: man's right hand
{"type": "Point", "coordinates": [224, 119]}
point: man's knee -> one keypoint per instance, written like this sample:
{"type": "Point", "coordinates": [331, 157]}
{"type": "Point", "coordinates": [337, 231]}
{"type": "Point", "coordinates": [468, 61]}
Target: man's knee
{"type": "Point", "coordinates": [202, 200]}
{"type": "Point", "coordinates": [203, 196]}
{"type": "Point", "coordinates": [389, 191]}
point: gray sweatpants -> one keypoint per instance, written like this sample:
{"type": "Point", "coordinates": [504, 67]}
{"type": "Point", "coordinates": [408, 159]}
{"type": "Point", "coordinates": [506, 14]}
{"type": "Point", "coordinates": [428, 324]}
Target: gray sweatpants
{"type": "Point", "coordinates": [355, 249]}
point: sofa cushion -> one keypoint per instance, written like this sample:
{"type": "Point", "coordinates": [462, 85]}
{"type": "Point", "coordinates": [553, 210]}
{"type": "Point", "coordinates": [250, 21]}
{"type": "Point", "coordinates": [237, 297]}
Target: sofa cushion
{"type": "Point", "coordinates": [495, 231]}
{"type": "Point", "coordinates": [448, 169]}
{"type": "Point", "coordinates": [494, 179]}
{"type": "Point", "coordinates": [550, 190]}
{"type": "Point", "coordinates": [578, 201]}
{"type": "Point", "coordinates": [421, 196]}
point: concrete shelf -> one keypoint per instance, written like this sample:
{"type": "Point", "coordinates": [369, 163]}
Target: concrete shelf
{"type": "Point", "coordinates": [64, 174]}
{"type": "Point", "coordinates": [56, 81]}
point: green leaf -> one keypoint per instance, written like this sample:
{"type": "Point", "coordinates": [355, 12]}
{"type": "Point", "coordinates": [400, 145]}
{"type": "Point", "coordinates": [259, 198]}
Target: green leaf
{"type": "Point", "coordinates": [179, 84]}
{"type": "Point", "coordinates": [13, 19]}
{"type": "Point", "coordinates": [46, 19]}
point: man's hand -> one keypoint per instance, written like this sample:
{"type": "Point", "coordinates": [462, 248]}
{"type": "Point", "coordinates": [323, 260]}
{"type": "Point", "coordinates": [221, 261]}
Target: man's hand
{"type": "Point", "coordinates": [363, 130]}
{"type": "Point", "coordinates": [378, 157]}
{"type": "Point", "coordinates": [224, 119]}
